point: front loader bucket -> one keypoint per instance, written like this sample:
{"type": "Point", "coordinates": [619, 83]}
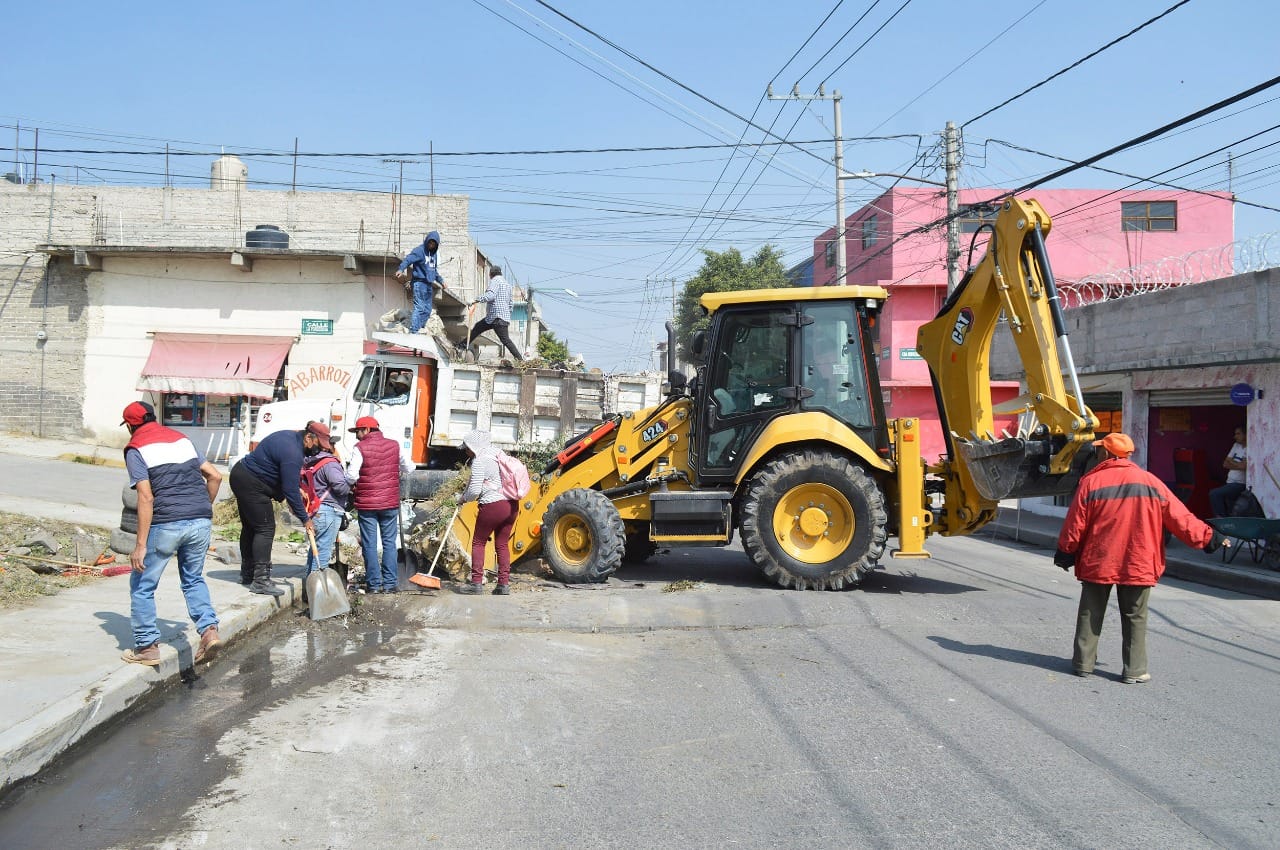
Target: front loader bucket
{"type": "Point", "coordinates": [1015, 468]}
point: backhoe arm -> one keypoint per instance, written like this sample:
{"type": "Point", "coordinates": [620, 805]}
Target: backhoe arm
{"type": "Point", "coordinates": [1013, 279]}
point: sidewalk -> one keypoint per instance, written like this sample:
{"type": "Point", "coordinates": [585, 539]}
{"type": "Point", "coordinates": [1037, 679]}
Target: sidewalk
{"type": "Point", "coordinates": [60, 666]}
{"type": "Point", "coordinates": [1182, 562]}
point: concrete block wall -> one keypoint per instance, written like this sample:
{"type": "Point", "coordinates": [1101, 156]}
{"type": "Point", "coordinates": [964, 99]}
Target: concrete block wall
{"type": "Point", "coordinates": [42, 383]}
{"type": "Point", "coordinates": [1232, 320]}
{"type": "Point", "coordinates": [42, 387]}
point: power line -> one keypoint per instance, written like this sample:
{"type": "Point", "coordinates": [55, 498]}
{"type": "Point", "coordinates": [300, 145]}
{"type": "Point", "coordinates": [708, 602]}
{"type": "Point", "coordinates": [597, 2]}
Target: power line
{"type": "Point", "coordinates": [673, 80]}
{"type": "Point", "coordinates": [1079, 61]}
{"type": "Point", "coordinates": [1186, 119]}
{"type": "Point", "coordinates": [439, 153]}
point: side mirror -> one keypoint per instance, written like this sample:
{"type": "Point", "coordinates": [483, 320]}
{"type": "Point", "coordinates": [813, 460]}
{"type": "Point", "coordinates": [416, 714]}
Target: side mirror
{"type": "Point", "coordinates": [698, 347]}
{"type": "Point", "coordinates": [676, 384]}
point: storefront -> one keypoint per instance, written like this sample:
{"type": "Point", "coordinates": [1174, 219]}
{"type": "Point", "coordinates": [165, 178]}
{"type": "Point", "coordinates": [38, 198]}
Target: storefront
{"type": "Point", "coordinates": [209, 386]}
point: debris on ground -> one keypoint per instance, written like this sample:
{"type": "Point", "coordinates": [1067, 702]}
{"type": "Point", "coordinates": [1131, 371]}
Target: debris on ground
{"type": "Point", "coordinates": [682, 585]}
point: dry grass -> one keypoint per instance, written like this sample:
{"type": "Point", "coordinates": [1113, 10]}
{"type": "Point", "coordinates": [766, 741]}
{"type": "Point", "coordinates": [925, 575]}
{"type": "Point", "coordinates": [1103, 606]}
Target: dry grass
{"type": "Point", "coordinates": [682, 585]}
{"type": "Point", "coordinates": [19, 585]}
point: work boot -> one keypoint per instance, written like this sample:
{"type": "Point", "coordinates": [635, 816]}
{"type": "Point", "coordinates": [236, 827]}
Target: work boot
{"type": "Point", "coordinates": [262, 582]}
{"type": "Point", "coordinates": [502, 590]}
{"type": "Point", "coordinates": [472, 588]}
{"type": "Point", "coordinates": [148, 656]}
{"type": "Point", "coordinates": [209, 643]}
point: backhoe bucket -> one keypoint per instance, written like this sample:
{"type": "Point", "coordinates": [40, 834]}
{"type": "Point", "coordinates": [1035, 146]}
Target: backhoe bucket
{"type": "Point", "coordinates": [1015, 468]}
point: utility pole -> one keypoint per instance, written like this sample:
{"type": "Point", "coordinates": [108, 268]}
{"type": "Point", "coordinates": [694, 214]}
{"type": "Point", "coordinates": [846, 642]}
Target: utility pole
{"type": "Point", "coordinates": [834, 97]}
{"type": "Point", "coordinates": [952, 145]}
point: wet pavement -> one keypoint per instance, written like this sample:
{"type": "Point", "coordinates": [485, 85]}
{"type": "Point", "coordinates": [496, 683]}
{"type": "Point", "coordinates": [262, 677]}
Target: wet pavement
{"type": "Point", "coordinates": [130, 783]}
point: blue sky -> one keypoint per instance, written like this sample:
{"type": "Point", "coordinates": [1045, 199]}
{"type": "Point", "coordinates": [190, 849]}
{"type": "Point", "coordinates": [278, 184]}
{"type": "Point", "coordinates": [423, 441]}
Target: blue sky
{"type": "Point", "coordinates": [466, 76]}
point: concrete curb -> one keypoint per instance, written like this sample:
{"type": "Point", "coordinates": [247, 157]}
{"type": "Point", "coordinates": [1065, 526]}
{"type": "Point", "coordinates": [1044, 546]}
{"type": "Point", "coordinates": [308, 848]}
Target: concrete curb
{"type": "Point", "coordinates": [30, 745]}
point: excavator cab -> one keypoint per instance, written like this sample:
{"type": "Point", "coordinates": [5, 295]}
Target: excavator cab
{"type": "Point", "coordinates": [784, 352]}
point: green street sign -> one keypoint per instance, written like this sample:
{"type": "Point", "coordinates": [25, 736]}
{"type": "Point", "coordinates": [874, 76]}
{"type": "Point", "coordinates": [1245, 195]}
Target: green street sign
{"type": "Point", "coordinates": [909, 354]}
{"type": "Point", "coordinates": [317, 327]}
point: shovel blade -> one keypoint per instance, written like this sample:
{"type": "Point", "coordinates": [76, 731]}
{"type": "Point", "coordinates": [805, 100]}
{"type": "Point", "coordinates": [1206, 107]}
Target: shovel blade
{"type": "Point", "coordinates": [326, 594]}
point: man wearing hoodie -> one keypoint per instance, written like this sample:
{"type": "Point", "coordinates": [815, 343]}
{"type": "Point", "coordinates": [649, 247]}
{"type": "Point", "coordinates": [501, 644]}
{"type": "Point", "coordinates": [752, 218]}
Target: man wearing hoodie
{"type": "Point", "coordinates": [418, 270]}
{"type": "Point", "coordinates": [1114, 535]}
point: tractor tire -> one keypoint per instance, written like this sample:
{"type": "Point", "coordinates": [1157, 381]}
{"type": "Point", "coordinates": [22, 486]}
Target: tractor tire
{"type": "Point", "coordinates": [583, 537]}
{"type": "Point", "coordinates": [813, 519]}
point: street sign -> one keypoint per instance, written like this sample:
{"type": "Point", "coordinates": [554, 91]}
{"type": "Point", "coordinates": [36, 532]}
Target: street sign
{"type": "Point", "coordinates": [317, 327]}
{"type": "Point", "coordinates": [1241, 394]}
{"type": "Point", "coordinates": [909, 354]}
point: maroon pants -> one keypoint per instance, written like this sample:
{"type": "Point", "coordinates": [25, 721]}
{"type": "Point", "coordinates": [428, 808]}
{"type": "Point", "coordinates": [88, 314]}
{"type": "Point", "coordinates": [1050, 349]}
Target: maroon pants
{"type": "Point", "coordinates": [493, 520]}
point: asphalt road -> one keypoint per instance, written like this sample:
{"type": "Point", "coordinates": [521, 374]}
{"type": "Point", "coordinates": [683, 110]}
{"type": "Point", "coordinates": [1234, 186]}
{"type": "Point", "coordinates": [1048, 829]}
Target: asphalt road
{"type": "Point", "coordinates": [932, 708]}
{"type": "Point", "coordinates": [57, 489]}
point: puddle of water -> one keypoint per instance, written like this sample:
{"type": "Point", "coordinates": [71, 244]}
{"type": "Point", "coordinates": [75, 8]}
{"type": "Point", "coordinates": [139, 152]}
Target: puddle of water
{"type": "Point", "coordinates": [129, 783]}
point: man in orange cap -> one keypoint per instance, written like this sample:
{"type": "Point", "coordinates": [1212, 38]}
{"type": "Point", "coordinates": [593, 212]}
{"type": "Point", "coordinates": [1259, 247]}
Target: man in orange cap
{"type": "Point", "coordinates": [1114, 535]}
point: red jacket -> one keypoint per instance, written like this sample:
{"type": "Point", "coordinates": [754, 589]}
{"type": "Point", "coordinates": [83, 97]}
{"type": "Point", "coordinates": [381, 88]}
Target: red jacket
{"type": "Point", "coordinates": [1115, 525]}
{"type": "Point", "coordinates": [378, 487]}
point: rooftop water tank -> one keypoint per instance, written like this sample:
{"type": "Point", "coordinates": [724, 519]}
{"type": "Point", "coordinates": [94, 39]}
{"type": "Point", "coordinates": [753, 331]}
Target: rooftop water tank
{"type": "Point", "coordinates": [266, 236]}
{"type": "Point", "coordinates": [228, 172]}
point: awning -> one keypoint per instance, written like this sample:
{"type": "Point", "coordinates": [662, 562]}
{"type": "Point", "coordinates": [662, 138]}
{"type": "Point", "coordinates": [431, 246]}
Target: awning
{"type": "Point", "coordinates": [215, 364]}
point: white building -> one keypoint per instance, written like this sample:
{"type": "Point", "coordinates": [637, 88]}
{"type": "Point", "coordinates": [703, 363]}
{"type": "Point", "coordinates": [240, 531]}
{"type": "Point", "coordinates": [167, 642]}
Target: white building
{"type": "Point", "coordinates": [182, 298]}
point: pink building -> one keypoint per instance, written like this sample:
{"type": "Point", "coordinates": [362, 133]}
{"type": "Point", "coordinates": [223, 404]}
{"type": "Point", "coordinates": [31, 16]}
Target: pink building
{"type": "Point", "coordinates": [1093, 231]}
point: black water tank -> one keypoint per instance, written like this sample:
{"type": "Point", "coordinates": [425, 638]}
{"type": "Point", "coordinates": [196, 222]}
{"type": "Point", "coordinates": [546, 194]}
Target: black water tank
{"type": "Point", "coordinates": [266, 236]}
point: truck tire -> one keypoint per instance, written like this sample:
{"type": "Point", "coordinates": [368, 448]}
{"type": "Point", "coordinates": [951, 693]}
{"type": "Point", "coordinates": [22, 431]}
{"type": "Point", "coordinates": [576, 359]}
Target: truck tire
{"type": "Point", "coordinates": [583, 537]}
{"type": "Point", "coordinates": [129, 497]}
{"type": "Point", "coordinates": [129, 520]}
{"type": "Point", "coordinates": [422, 484]}
{"type": "Point", "coordinates": [813, 519]}
{"type": "Point", "coordinates": [123, 542]}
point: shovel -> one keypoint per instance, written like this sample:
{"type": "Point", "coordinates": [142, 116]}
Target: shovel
{"type": "Point", "coordinates": [326, 594]}
{"type": "Point", "coordinates": [426, 580]}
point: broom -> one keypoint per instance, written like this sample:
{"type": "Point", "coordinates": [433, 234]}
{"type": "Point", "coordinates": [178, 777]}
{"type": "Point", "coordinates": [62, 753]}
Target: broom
{"type": "Point", "coordinates": [427, 580]}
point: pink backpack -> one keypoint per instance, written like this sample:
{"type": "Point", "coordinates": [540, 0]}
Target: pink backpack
{"type": "Point", "coordinates": [513, 475]}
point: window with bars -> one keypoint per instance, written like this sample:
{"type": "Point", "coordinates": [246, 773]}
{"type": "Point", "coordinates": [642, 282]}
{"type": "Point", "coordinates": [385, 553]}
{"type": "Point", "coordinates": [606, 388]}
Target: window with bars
{"type": "Point", "coordinates": [1149, 215]}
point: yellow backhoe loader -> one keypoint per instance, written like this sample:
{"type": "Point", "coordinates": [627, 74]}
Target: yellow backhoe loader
{"type": "Point", "coordinates": [782, 435]}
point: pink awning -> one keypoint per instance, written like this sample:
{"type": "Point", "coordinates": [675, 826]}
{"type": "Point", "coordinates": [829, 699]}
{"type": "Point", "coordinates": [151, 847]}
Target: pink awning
{"type": "Point", "coordinates": [214, 364]}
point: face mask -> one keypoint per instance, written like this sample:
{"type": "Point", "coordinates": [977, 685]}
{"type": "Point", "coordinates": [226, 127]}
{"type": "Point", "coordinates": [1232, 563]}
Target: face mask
{"type": "Point", "coordinates": [312, 451]}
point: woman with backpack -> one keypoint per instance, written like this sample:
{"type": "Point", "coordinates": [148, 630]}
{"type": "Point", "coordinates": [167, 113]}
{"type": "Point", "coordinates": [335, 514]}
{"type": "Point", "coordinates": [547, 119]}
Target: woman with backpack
{"type": "Point", "coordinates": [324, 493]}
{"type": "Point", "coordinates": [496, 516]}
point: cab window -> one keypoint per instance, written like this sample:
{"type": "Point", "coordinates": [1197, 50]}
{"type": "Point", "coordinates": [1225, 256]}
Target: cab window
{"type": "Point", "coordinates": [832, 364]}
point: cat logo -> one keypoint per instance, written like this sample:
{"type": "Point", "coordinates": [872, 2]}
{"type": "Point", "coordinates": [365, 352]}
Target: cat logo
{"type": "Point", "coordinates": [654, 431]}
{"type": "Point", "coordinates": [964, 321]}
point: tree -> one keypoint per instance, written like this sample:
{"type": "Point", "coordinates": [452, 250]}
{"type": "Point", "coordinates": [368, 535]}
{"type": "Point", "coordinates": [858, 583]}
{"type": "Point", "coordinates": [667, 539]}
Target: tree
{"type": "Point", "coordinates": [725, 272]}
{"type": "Point", "coordinates": [551, 349]}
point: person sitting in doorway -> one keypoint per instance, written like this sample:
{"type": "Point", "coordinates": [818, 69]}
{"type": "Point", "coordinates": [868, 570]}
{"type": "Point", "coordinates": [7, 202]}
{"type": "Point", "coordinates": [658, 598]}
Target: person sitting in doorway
{"type": "Point", "coordinates": [1221, 499]}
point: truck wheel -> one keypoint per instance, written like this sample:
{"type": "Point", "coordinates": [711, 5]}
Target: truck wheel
{"type": "Point", "coordinates": [813, 519]}
{"type": "Point", "coordinates": [583, 537]}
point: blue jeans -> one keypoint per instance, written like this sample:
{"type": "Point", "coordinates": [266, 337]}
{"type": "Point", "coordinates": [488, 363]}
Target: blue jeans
{"type": "Point", "coordinates": [375, 524]}
{"type": "Point", "coordinates": [327, 520]}
{"type": "Point", "coordinates": [423, 295]}
{"type": "Point", "coordinates": [189, 540]}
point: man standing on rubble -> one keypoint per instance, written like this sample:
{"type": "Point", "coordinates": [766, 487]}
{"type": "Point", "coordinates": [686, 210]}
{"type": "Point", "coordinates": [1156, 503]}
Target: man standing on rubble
{"type": "Point", "coordinates": [419, 272]}
{"type": "Point", "coordinates": [176, 488]}
{"type": "Point", "coordinates": [497, 316]}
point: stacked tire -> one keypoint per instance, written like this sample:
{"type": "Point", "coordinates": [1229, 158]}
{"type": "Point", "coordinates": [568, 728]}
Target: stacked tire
{"type": "Point", "coordinates": [124, 538]}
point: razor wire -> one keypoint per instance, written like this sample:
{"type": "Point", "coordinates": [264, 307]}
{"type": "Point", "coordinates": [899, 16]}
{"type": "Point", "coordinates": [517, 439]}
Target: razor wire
{"type": "Point", "coordinates": [1257, 253]}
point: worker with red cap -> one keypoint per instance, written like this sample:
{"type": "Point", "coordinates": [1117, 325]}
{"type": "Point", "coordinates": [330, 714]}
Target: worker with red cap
{"type": "Point", "coordinates": [271, 473]}
{"type": "Point", "coordinates": [176, 487]}
{"type": "Point", "coordinates": [373, 471]}
{"type": "Point", "coordinates": [1114, 535]}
